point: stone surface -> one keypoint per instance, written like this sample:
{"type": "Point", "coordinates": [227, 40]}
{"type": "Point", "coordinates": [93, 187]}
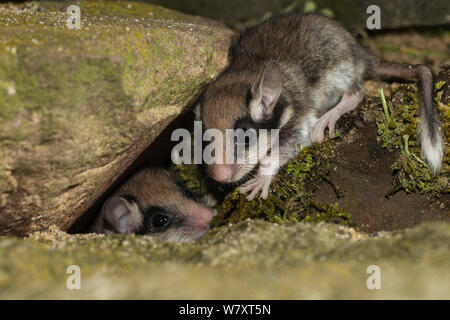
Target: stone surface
{"type": "Point", "coordinates": [78, 106]}
{"type": "Point", "coordinates": [249, 260]}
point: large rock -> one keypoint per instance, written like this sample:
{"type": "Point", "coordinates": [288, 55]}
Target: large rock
{"type": "Point", "coordinates": [249, 260]}
{"type": "Point", "coordinates": [78, 106]}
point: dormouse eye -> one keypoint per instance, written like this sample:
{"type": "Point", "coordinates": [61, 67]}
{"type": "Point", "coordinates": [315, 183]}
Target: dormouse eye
{"type": "Point", "coordinates": [160, 221]}
{"type": "Point", "coordinates": [157, 220]}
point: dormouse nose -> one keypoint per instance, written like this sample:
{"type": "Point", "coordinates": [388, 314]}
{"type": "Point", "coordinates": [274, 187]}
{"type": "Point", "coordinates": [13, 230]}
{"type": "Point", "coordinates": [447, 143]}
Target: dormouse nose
{"type": "Point", "coordinates": [201, 216]}
{"type": "Point", "coordinates": [222, 172]}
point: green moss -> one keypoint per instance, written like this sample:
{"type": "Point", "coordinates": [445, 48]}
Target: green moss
{"type": "Point", "coordinates": [156, 56]}
{"type": "Point", "coordinates": [411, 172]}
{"type": "Point", "coordinates": [192, 179]}
{"type": "Point", "coordinates": [50, 90]}
{"type": "Point", "coordinates": [329, 213]}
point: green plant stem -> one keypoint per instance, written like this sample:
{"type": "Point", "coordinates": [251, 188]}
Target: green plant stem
{"type": "Point", "coordinates": [409, 153]}
{"type": "Point", "coordinates": [385, 108]}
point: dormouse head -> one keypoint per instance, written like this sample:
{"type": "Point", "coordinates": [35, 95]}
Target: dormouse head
{"type": "Point", "coordinates": [249, 104]}
{"type": "Point", "coordinates": [151, 203]}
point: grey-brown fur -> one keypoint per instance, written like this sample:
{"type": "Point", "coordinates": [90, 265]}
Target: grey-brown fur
{"type": "Point", "coordinates": [322, 69]}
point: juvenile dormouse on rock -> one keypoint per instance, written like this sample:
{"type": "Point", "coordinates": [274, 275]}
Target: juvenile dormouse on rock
{"type": "Point", "coordinates": [151, 203]}
{"type": "Point", "coordinates": [300, 73]}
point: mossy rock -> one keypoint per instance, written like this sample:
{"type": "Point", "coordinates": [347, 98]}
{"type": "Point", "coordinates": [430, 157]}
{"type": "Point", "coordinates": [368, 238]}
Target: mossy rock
{"type": "Point", "coordinates": [257, 260]}
{"type": "Point", "coordinates": [78, 106]}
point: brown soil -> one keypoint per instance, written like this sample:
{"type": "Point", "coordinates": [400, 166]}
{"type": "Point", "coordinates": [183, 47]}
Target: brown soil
{"type": "Point", "coordinates": [362, 171]}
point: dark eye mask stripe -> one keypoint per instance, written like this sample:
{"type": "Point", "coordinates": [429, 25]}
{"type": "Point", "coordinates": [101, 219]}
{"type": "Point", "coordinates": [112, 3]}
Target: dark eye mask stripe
{"type": "Point", "coordinates": [272, 123]}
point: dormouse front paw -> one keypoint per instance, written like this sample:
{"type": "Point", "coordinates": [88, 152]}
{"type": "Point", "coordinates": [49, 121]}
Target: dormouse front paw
{"type": "Point", "coordinates": [255, 185]}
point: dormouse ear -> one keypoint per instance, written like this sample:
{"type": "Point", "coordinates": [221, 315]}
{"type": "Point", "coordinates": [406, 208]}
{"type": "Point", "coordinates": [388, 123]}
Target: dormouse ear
{"type": "Point", "coordinates": [265, 92]}
{"type": "Point", "coordinates": [122, 215]}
